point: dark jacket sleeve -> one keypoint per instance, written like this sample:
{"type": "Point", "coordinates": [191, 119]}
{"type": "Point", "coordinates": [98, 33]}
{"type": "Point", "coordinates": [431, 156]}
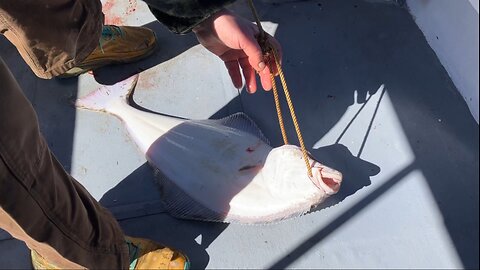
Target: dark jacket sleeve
{"type": "Point", "coordinates": [180, 16]}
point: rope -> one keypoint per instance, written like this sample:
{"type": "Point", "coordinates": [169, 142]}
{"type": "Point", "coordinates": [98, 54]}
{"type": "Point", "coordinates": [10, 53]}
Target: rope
{"type": "Point", "coordinates": [257, 19]}
{"type": "Point", "coordinates": [268, 49]}
{"type": "Point", "coordinates": [279, 110]}
{"type": "Point", "coordinates": [292, 113]}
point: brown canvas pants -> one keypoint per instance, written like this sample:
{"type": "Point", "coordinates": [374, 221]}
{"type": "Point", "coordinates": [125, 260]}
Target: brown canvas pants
{"type": "Point", "coordinates": [40, 203]}
{"type": "Point", "coordinates": [52, 35]}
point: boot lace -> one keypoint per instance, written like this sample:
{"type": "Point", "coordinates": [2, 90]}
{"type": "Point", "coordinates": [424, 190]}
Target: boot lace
{"type": "Point", "coordinates": [133, 253]}
{"type": "Point", "coordinates": [110, 32]}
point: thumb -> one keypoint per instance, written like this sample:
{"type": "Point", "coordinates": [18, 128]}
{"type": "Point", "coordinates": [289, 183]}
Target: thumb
{"type": "Point", "coordinates": [254, 53]}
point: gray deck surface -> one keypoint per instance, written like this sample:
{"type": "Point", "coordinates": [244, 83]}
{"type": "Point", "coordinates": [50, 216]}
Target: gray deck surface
{"type": "Point", "coordinates": [373, 101]}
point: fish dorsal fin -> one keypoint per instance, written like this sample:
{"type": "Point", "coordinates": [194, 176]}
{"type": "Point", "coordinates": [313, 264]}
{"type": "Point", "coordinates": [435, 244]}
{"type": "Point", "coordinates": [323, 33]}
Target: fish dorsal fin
{"type": "Point", "coordinates": [242, 122]}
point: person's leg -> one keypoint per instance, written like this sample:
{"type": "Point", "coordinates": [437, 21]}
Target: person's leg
{"type": "Point", "coordinates": [52, 35]}
{"type": "Point", "coordinates": [59, 36]}
{"type": "Point", "coordinates": [42, 204]}
{"type": "Point", "coordinates": [10, 225]}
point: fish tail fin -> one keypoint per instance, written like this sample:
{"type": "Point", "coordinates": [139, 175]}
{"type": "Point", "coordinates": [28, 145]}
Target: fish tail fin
{"type": "Point", "coordinates": [102, 98]}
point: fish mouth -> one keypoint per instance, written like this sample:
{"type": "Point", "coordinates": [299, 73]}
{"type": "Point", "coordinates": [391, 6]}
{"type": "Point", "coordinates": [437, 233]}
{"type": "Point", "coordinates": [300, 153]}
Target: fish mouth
{"type": "Point", "coordinates": [326, 179]}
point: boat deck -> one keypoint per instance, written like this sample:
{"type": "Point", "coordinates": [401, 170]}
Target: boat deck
{"type": "Point", "coordinates": [372, 99]}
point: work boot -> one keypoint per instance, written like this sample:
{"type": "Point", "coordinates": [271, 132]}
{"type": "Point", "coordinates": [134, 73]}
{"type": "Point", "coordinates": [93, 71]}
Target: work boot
{"type": "Point", "coordinates": [117, 44]}
{"type": "Point", "coordinates": [144, 254]}
{"type": "Point", "coordinates": [39, 262]}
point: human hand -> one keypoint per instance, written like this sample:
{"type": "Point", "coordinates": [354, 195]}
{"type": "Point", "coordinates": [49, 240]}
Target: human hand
{"type": "Point", "coordinates": [233, 39]}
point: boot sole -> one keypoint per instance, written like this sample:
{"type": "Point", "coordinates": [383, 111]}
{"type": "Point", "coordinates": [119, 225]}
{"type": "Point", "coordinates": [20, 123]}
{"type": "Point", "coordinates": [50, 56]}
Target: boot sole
{"type": "Point", "coordinates": [76, 71]}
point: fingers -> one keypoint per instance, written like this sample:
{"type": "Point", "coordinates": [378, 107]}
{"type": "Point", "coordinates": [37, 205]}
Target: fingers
{"type": "Point", "coordinates": [249, 74]}
{"type": "Point", "coordinates": [234, 72]}
{"type": "Point", "coordinates": [250, 79]}
{"type": "Point", "coordinates": [256, 59]}
{"type": "Point", "coordinates": [277, 46]}
{"type": "Point", "coordinates": [253, 51]}
{"type": "Point", "coordinates": [233, 68]}
{"type": "Point", "coordinates": [251, 60]}
{"type": "Point", "coordinates": [265, 79]}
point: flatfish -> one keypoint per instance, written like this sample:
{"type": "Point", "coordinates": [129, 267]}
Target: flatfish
{"type": "Point", "coordinates": [218, 170]}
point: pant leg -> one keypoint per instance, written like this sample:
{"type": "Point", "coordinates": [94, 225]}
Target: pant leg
{"type": "Point", "coordinates": [10, 225]}
{"type": "Point", "coordinates": [49, 206]}
{"type": "Point", "coordinates": [52, 35]}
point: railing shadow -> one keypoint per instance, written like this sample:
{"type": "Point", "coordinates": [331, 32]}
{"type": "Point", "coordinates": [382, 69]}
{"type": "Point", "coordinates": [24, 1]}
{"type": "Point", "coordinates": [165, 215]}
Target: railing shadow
{"type": "Point", "coordinates": [350, 45]}
{"type": "Point", "coordinates": [321, 234]}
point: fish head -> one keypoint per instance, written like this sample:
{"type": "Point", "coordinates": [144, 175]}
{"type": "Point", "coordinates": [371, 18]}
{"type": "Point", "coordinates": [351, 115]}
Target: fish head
{"type": "Point", "coordinates": [292, 177]}
{"type": "Point", "coordinates": [325, 178]}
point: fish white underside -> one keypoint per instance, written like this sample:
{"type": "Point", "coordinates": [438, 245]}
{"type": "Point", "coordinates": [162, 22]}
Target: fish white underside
{"type": "Point", "coordinates": [219, 170]}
